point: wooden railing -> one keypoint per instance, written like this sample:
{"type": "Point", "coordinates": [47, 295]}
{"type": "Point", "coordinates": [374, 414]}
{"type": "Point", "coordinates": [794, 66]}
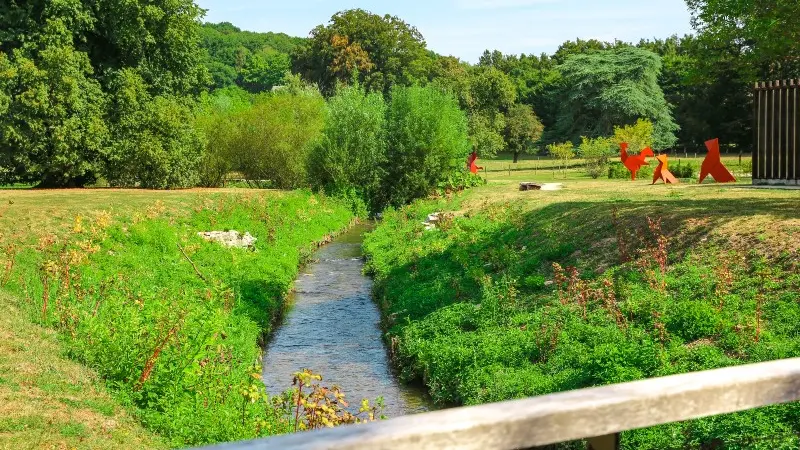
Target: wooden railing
{"type": "Point", "coordinates": [597, 414]}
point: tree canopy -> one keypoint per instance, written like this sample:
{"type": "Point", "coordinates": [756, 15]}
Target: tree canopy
{"type": "Point", "coordinates": [613, 87]}
{"type": "Point", "coordinates": [66, 67]}
{"type": "Point", "coordinates": [383, 50]}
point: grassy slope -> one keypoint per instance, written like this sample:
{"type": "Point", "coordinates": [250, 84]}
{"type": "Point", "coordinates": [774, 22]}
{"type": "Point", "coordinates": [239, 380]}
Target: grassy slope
{"type": "Point", "coordinates": [49, 401]}
{"type": "Point", "coordinates": [132, 285]}
{"type": "Point", "coordinates": [469, 311]}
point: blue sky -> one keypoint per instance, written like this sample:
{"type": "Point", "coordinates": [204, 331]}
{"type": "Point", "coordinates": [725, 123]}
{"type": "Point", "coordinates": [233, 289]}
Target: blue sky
{"type": "Point", "coordinates": [465, 28]}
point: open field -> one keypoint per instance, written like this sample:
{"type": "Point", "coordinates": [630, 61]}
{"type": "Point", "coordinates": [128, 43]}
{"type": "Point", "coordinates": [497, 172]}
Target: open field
{"type": "Point", "coordinates": [649, 281]}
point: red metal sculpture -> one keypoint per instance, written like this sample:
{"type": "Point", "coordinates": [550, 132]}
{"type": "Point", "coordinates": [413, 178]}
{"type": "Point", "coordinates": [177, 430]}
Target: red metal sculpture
{"type": "Point", "coordinates": [662, 172]}
{"type": "Point", "coordinates": [473, 158]}
{"type": "Point", "coordinates": [635, 162]}
{"type": "Point", "coordinates": [713, 166]}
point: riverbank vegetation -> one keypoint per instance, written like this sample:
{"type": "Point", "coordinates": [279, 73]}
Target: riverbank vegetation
{"type": "Point", "coordinates": [518, 294]}
{"type": "Point", "coordinates": [170, 322]}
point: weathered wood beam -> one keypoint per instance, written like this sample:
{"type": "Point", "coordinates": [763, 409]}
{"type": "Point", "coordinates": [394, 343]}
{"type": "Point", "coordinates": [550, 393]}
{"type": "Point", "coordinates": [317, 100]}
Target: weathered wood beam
{"type": "Point", "coordinates": [567, 416]}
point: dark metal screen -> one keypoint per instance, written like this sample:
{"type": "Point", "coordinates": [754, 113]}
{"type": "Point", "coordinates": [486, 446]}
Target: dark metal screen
{"type": "Point", "coordinates": [776, 158]}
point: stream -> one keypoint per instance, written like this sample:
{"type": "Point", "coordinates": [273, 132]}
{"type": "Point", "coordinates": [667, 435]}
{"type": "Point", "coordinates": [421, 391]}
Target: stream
{"type": "Point", "coordinates": [333, 328]}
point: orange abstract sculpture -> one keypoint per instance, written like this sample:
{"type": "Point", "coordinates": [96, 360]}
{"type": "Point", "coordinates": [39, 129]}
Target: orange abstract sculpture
{"type": "Point", "coordinates": [662, 172]}
{"type": "Point", "coordinates": [472, 166]}
{"type": "Point", "coordinates": [635, 162]}
{"type": "Point", "coordinates": [713, 166]}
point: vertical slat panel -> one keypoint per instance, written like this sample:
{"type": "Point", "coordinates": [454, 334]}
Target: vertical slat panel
{"type": "Point", "coordinates": [756, 150]}
{"type": "Point", "coordinates": [766, 131]}
{"type": "Point", "coordinates": [785, 138]}
{"type": "Point", "coordinates": [795, 143]}
{"type": "Point", "coordinates": [771, 130]}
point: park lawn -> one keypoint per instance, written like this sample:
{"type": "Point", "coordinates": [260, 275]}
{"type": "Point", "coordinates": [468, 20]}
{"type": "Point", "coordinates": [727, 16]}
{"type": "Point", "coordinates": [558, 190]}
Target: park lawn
{"type": "Point", "coordinates": [478, 312]}
{"type": "Point", "coordinates": [153, 323]}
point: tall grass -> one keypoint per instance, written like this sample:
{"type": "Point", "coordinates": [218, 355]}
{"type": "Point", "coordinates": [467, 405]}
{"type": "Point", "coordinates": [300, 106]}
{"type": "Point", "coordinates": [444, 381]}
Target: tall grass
{"type": "Point", "coordinates": [170, 321]}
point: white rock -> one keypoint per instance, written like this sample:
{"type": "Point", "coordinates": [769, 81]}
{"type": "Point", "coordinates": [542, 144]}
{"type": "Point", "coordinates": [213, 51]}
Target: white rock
{"type": "Point", "coordinates": [230, 238]}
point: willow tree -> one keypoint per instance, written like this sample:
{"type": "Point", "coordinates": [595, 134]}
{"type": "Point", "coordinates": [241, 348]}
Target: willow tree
{"type": "Point", "coordinates": [604, 89]}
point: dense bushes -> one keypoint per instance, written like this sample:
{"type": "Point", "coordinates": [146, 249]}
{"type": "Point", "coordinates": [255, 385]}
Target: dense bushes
{"type": "Point", "coordinates": [427, 135]}
{"type": "Point", "coordinates": [468, 313]}
{"type": "Point", "coordinates": [355, 145]}
{"type": "Point", "coordinates": [350, 159]}
{"type": "Point", "coordinates": [276, 136]}
{"type": "Point", "coordinates": [171, 322]}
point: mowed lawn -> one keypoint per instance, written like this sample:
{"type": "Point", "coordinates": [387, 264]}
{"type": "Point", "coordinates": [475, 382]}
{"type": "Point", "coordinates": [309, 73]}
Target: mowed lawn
{"type": "Point", "coordinates": [47, 400]}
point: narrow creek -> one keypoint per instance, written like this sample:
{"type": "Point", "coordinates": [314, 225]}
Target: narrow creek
{"type": "Point", "coordinates": [333, 328]}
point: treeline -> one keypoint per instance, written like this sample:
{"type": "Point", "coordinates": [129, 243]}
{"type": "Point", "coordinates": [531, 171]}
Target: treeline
{"type": "Point", "coordinates": [119, 92]}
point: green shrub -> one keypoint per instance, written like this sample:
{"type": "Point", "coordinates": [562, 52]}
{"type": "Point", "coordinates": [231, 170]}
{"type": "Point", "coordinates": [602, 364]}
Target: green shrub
{"type": "Point", "coordinates": [683, 170]}
{"type": "Point", "coordinates": [427, 141]}
{"type": "Point", "coordinates": [350, 158]}
{"type": "Point", "coordinates": [277, 135]}
{"type": "Point", "coordinates": [617, 171]}
{"type": "Point", "coordinates": [596, 152]}
{"type": "Point", "coordinates": [217, 121]}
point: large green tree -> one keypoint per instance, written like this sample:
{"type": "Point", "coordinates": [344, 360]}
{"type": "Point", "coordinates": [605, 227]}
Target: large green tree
{"type": "Point", "coordinates": [523, 130]}
{"type": "Point", "coordinates": [608, 88]}
{"type": "Point", "coordinates": [255, 61]}
{"type": "Point", "coordinates": [384, 50]}
{"type": "Point", "coordinates": [62, 62]}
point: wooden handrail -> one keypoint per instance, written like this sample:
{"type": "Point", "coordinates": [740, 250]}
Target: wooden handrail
{"type": "Point", "coordinates": [562, 417]}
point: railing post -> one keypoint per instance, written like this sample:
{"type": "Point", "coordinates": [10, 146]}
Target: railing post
{"type": "Point", "coordinates": [607, 442]}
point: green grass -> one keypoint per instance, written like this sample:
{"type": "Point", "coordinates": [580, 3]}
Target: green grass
{"type": "Point", "coordinates": [472, 312]}
{"type": "Point", "coordinates": [171, 323]}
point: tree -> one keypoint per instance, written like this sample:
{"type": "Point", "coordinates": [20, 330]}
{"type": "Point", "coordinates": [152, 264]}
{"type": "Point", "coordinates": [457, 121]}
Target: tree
{"type": "Point", "coordinates": [52, 129]}
{"type": "Point", "coordinates": [563, 153]}
{"type": "Point", "coordinates": [229, 51]}
{"type": "Point", "coordinates": [63, 62]}
{"type": "Point", "coordinates": [638, 136]}
{"type": "Point", "coordinates": [427, 142]}
{"type": "Point", "coordinates": [385, 50]}
{"type": "Point", "coordinates": [766, 32]}
{"type": "Point", "coordinates": [492, 94]}
{"type": "Point", "coordinates": [596, 153]}
{"type": "Point", "coordinates": [613, 87]}
{"type": "Point", "coordinates": [523, 129]}
{"type": "Point", "coordinates": [265, 70]}
{"type": "Point", "coordinates": [351, 157]}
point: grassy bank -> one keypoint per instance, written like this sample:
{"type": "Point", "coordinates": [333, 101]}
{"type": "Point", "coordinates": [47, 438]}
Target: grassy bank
{"type": "Point", "coordinates": [168, 321]}
{"type": "Point", "coordinates": [526, 293]}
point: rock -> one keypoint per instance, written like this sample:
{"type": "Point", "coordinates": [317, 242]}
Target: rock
{"type": "Point", "coordinates": [430, 224]}
{"type": "Point", "coordinates": [230, 238]}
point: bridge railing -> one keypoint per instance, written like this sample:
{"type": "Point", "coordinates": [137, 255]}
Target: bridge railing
{"type": "Point", "coordinates": [597, 414]}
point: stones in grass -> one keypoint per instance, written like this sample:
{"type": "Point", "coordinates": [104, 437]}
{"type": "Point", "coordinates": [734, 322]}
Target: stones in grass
{"type": "Point", "coordinates": [231, 238]}
{"type": "Point", "coordinates": [430, 224]}
{"type": "Point", "coordinates": [530, 186]}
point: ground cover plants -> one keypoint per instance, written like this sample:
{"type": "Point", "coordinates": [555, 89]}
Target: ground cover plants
{"type": "Point", "coordinates": [518, 294]}
{"type": "Point", "coordinates": [171, 322]}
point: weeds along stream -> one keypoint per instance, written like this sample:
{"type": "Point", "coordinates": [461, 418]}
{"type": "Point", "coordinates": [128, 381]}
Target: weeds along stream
{"type": "Point", "coordinates": [333, 328]}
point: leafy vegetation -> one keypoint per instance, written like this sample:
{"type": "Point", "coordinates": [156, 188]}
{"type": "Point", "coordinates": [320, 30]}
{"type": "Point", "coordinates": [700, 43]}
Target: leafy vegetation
{"type": "Point", "coordinates": [172, 322]}
{"type": "Point", "coordinates": [521, 294]}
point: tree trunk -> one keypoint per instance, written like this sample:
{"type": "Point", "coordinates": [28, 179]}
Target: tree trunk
{"type": "Point", "coordinates": [516, 157]}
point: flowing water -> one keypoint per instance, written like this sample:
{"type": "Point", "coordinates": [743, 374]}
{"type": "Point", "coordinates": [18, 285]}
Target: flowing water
{"type": "Point", "coordinates": [333, 329]}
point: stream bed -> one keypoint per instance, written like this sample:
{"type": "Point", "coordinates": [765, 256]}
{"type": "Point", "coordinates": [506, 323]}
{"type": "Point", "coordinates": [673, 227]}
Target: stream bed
{"type": "Point", "coordinates": [333, 328]}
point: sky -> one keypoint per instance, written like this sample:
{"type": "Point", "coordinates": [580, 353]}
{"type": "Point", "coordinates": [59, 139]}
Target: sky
{"type": "Point", "coordinates": [465, 28]}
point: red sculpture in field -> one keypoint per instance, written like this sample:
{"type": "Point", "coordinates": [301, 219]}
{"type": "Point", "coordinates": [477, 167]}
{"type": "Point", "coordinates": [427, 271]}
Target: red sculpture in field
{"type": "Point", "coordinates": [473, 158]}
{"type": "Point", "coordinates": [662, 172]}
{"type": "Point", "coordinates": [713, 166]}
{"type": "Point", "coordinates": [635, 162]}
